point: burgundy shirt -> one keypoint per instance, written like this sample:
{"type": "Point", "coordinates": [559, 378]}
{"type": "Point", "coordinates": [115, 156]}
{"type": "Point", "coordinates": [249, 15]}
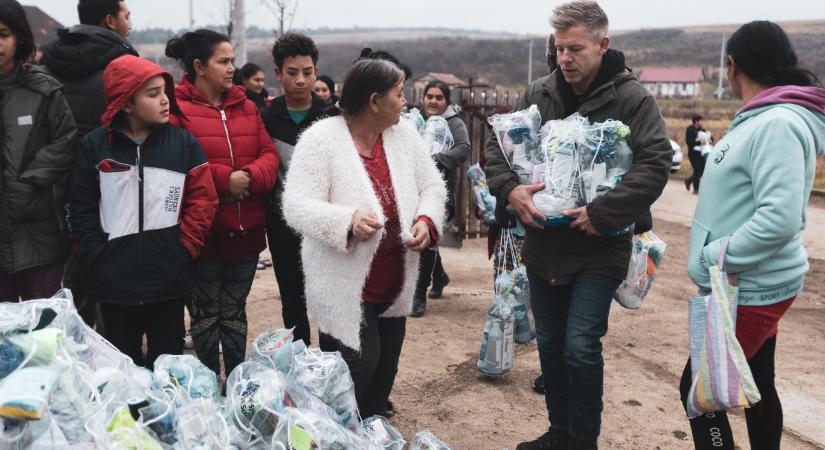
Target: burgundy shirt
{"type": "Point", "coordinates": [386, 276]}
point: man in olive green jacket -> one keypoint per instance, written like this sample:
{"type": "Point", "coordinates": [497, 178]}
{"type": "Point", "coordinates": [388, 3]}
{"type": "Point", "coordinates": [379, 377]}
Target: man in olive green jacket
{"type": "Point", "coordinates": [574, 271]}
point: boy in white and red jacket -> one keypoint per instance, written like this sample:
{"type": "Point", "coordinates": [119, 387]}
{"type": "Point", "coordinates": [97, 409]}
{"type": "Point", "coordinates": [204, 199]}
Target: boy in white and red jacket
{"type": "Point", "coordinates": [141, 200]}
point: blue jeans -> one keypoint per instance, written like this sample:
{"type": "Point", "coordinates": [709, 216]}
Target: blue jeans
{"type": "Point", "coordinates": [570, 322]}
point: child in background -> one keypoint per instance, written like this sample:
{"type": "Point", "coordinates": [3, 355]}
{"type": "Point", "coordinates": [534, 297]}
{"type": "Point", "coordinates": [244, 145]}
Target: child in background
{"type": "Point", "coordinates": [141, 200]}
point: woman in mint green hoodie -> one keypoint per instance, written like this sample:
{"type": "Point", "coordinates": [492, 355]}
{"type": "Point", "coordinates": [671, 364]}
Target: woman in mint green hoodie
{"type": "Point", "coordinates": [755, 191]}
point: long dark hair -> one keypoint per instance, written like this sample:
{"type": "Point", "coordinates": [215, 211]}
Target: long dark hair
{"type": "Point", "coordinates": [194, 45]}
{"type": "Point", "coordinates": [763, 52]}
{"type": "Point", "coordinates": [445, 90]}
{"type": "Point", "coordinates": [14, 17]}
{"type": "Point", "coordinates": [367, 77]}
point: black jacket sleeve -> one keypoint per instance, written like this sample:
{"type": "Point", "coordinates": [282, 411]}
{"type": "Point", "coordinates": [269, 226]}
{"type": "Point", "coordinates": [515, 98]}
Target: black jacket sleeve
{"type": "Point", "coordinates": [83, 203]}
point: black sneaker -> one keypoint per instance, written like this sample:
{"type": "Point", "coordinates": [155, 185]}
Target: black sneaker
{"type": "Point", "coordinates": [437, 289]}
{"type": "Point", "coordinates": [554, 439]}
{"type": "Point", "coordinates": [419, 306]}
{"type": "Point", "coordinates": [538, 384]}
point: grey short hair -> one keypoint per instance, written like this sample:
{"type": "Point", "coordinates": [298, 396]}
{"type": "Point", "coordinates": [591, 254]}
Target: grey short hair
{"type": "Point", "coordinates": [581, 12]}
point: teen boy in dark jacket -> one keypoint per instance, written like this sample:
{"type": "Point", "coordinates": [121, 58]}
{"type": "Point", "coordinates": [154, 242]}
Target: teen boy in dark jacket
{"type": "Point", "coordinates": [296, 59]}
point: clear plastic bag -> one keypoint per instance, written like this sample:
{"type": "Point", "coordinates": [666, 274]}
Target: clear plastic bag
{"type": "Point", "coordinates": [645, 257]}
{"type": "Point", "coordinates": [437, 135]}
{"type": "Point", "coordinates": [379, 430]}
{"type": "Point", "coordinates": [185, 378]}
{"type": "Point", "coordinates": [201, 426]}
{"type": "Point", "coordinates": [485, 201]}
{"type": "Point", "coordinates": [326, 376]}
{"type": "Point", "coordinates": [414, 118]}
{"type": "Point", "coordinates": [496, 354]}
{"type": "Point", "coordinates": [518, 137]}
{"type": "Point", "coordinates": [255, 395]}
{"type": "Point", "coordinates": [425, 440]}
{"type": "Point", "coordinates": [275, 348]}
{"type": "Point", "coordinates": [304, 430]}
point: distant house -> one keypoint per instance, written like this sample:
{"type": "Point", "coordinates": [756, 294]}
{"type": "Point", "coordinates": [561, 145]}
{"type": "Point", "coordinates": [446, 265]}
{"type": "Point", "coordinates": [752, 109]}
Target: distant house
{"type": "Point", "coordinates": [44, 27]}
{"type": "Point", "coordinates": [449, 79]}
{"type": "Point", "coordinates": [673, 82]}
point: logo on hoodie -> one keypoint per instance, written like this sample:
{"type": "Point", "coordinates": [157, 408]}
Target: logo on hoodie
{"type": "Point", "coordinates": [723, 151]}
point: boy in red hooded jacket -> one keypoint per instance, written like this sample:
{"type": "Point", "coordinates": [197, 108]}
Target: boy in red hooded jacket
{"type": "Point", "coordinates": [141, 200]}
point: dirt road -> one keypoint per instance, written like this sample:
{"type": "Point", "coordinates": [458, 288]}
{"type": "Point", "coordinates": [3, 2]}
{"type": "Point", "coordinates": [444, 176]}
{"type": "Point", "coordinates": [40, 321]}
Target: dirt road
{"type": "Point", "coordinates": [438, 387]}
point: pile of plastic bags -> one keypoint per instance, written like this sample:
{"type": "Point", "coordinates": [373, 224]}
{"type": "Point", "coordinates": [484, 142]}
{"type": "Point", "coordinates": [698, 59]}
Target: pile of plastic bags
{"type": "Point", "coordinates": [63, 386]}
{"type": "Point", "coordinates": [577, 161]}
{"type": "Point", "coordinates": [485, 201]}
{"type": "Point", "coordinates": [509, 319]}
{"type": "Point", "coordinates": [645, 257]}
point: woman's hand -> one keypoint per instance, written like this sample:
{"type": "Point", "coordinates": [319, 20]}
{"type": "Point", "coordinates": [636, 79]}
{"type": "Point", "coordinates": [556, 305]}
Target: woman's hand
{"type": "Point", "coordinates": [365, 225]}
{"type": "Point", "coordinates": [420, 237]}
{"type": "Point", "coordinates": [239, 184]}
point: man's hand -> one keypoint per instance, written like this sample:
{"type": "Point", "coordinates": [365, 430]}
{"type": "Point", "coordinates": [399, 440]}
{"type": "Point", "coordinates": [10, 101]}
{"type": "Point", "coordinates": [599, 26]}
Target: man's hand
{"type": "Point", "coordinates": [582, 221]}
{"type": "Point", "coordinates": [364, 225]}
{"type": "Point", "coordinates": [521, 200]}
{"type": "Point", "coordinates": [239, 184]}
{"type": "Point", "coordinates": [420, 237]}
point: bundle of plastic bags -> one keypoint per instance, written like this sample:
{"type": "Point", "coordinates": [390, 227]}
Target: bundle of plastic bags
{"type": "Point", "coordinates": [645, 257]}
{"type": "Point", "coordinates": [485, 201]}
{"type": "Point", "coordinates": [63, 386]}
{"type": "Point", "coordinates": [497, 341]}
{"type": "Point", "coordinates": [513, 286]}
{"type": "Point", "coordinates": [414, 118]}
{"type": "Point", "coordinates": [425, 440]}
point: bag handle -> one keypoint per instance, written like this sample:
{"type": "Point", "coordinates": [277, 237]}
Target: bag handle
{"type": "Point", "coordinates": [732, 279]}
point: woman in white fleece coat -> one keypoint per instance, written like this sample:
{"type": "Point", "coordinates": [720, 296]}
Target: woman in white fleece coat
{"type": "Point", "coordinates": [366, 198]}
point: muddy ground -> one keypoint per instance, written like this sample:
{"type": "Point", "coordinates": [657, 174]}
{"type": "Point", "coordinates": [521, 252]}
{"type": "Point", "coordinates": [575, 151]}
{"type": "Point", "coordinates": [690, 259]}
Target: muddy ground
{"type": "Point", "coordinates": [438, 387]}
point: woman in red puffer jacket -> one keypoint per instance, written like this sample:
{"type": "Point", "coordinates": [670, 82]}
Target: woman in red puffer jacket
{"type": "Point", "coordinates": [244, 166]}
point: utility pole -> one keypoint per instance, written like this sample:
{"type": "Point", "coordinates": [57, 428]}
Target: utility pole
{"type": "Point", "coordinates": [720, 90]}
{"type": "Point", "coordinates": [530, 64]}
{"type": "Point", "coordinates": [239, 32]}
{"type": "Point", "coordinates": [191, 15]}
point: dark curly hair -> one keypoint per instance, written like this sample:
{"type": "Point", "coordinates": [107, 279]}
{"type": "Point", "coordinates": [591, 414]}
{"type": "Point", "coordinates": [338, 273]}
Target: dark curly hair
{"type": "Point", "coordinates": [293, 44]}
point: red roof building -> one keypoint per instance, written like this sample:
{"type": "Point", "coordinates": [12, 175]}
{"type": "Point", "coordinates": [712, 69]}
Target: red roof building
{"type": "Point", "coordinates": [673, 82]}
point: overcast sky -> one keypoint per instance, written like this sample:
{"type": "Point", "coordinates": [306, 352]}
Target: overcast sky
{"type": "Point", "coordinates": [518, 16]}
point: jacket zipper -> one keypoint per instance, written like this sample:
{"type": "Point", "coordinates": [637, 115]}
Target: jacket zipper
{"type": "Point", "coordinates": [139, 163]}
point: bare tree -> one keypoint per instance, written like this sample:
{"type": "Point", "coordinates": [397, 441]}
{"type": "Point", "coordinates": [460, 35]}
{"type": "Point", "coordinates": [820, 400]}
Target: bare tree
{"type": "Point", "coordinates": [284, 11]}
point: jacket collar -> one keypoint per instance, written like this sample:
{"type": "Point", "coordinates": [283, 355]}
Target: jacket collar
{"type": "Point", "coordinates": [189, 92]}
{"type": "Point", "coordinates": [612, 73]}
{"type": "Point", "coordinates": [278, 108]}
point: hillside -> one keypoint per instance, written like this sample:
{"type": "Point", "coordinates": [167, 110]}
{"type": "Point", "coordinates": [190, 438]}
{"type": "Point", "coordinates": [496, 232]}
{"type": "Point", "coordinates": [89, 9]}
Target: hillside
{"type": "Point", "coordinates": [500, 59]}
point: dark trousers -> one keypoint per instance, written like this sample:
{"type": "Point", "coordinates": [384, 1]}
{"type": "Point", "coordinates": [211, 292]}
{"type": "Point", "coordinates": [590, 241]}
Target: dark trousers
{"type": "Point", "coordinates": [76, 279]}
{"type": "Point", "coordinates": [431, 271]}
{"type": "Point", "coordinates": [218, 310]}
{"type": "Point", "coordinates": [570, 322]}
{"type": "Point", "coordinates": [285, 248]}
{"type": "Point", "coordinates": [162, 323]}
{"type": "Point", "coordinates": [28, 284]}
{"type": "Point", "coordinates": [712, 431]}
{"type": "Point", "coordinates": [698, 163]}
{"type": "Point", "coordinates": [373, 369]}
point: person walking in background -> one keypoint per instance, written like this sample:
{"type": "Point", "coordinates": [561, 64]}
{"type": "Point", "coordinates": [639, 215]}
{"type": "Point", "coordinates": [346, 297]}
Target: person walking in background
{"type": "Point", "coordinates": [77, 59]}
{"type": "Point", "coordinates": [140, 253]}
{"type": "Point", "coordinates": [38, 140]}
{"type": "Point", "coordinates": [252, 78]}
{"type": "Point", "coordinates": [325, 89]}
{"type": "Point", "coordinates": [755, 193]}
{"type": "Point", "coordinates": [366, 197]}
{"type": "Point", "coordinates": [574, 271]}
{"type": "Point", "coordinates": [437, 102]}
{"type": "Point", "coordinates": [244, 166]}
{"type": "Point", "coordinates": [695, 154]}
{"type": "Point", "coordinates": [296, 59]}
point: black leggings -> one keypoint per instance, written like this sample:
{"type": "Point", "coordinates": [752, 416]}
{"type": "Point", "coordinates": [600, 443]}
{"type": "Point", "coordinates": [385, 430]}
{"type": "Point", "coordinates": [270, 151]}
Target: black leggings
{"type": "Point", "coordinates": [712, 430]}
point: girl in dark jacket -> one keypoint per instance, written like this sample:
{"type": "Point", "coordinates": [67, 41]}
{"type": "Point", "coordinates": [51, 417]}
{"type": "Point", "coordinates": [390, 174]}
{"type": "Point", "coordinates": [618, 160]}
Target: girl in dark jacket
{"type": "Point", "coordinates": [244, 167]}
{"type": "Point", "coordinates": [38, 136]}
